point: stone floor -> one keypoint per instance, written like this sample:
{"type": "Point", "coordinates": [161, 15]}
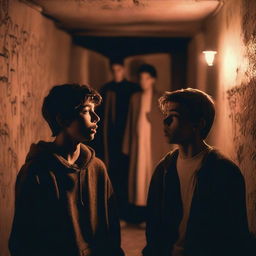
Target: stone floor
{"type": "Point", "coordinates": [133, 239]}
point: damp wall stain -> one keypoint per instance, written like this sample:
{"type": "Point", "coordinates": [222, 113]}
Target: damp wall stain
{"type": "Point", "coordinates": [232, 81]}
{"type": "Point", "coordinates": [33, 57]}
{"type": "Point", "coordinates": [242, 101]}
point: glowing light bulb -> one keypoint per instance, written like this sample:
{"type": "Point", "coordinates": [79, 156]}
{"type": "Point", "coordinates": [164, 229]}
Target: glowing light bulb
{"type": "Point", "coordinates": [209, 57]}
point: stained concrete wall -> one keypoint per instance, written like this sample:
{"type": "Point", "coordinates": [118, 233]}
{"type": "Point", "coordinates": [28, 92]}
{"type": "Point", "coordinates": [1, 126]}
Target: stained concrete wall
{"type": "Point", "coordinates": [232, 82]}
{"type": "Point", "coordinates": [88, 67]}
{"type": "Point", "coordinates": [34, 56]}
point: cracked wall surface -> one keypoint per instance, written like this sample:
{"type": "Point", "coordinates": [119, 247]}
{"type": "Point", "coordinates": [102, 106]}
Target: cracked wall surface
{"type": "Point", "coordinates": [33, 56]}
{"type": "Point", "coordinates": [232, 82]}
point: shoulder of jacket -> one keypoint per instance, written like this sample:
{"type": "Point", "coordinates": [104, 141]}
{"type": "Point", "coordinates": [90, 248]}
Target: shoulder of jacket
{"type": "Point", "coordinates": [106, 87]}
{"type": "Point", "coordinates": [38, 166]}
{"type": "Point", "coordinates": [224, 164]}
{"type": "Point", "coordinates": [29, 172]}
{"type": "Point", "coordinates": [166, 160]}
{"type": "Point", "coordinates": [98, 166]}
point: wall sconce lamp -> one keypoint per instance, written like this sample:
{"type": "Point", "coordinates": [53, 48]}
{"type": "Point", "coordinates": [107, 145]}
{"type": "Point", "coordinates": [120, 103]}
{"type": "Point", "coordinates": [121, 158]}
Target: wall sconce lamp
{"type": "Point", "coordinates": [209, 57]}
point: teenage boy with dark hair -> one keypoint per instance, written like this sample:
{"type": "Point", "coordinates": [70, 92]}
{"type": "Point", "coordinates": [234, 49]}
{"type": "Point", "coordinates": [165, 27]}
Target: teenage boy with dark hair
{"type": "Point", "coordinates": [64, 200]}
{"type": "Point", "coordinates": [196, 201]}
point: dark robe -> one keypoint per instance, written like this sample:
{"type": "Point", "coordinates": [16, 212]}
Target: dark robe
{"type": "Point", "coordinates": [217, 224]}
{"type": "Point", "coordinates": [109, 139]}
{"type": "Point", "coordinates": [159, 146]}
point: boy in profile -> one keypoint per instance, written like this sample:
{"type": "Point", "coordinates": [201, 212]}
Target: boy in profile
{"type": "Point", "coordinates": [196, 201]}
{"type": "Point", "coordinates": [64, 199]}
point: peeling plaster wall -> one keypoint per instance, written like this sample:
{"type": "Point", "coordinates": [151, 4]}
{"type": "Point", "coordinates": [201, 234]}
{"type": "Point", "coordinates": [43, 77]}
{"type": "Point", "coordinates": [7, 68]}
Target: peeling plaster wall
{"type": "Point", "coordinates": [79, 65]}
{"type": "Point", "coordinates": [88, 67]}
{"type": "Point", "coordinates": [99, 70]}
{"type": "Point", "coordinates": [34, 55]}
{"type": "Point", "coordinates": [232, 82]}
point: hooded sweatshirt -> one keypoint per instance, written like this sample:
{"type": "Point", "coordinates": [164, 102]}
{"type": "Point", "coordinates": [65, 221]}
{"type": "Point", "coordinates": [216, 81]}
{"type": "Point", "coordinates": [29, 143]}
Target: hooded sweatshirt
{"type": "Point", "coordinates": [63, 209]}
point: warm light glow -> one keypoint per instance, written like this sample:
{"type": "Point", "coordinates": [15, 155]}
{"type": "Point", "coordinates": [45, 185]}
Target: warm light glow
{"type": "Point", "coordinates": [209, 57]}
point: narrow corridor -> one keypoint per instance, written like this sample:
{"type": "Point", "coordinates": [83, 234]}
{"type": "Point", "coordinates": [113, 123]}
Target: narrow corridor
{"type": "Point", "coordinates": [207, 45]}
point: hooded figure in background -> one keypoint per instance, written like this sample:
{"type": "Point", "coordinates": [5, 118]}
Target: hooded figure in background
{"type": "Point", "coordinates": [144, 141]}
{"type": "Point", "coordinates": [108, 142]}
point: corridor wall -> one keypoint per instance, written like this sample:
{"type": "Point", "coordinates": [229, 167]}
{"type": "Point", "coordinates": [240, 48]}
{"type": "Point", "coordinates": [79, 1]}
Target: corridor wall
{"type": "Point", "coordinates": [232, 83]}
{"type": "Point", "coordinates": [34, 55]}
{"type": "Point", "coordinates": [88, 67]}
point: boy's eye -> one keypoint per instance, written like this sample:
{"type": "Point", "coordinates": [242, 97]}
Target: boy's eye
{"type": "Point", "coordinates": [169, 118]}
{"type": "Point", "coordinates": [85, 111]}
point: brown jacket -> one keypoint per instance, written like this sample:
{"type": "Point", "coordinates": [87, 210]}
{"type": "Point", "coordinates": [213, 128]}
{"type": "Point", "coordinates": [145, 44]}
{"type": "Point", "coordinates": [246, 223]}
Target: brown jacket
{"type": "Point", "coordinates": [62, 209]}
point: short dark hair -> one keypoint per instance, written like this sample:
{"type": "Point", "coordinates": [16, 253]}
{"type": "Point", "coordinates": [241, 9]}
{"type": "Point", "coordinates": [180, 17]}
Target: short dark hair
{"type": "Point", "coordinates": [199, 105]}
{"type": "Point", "coordinates": [117, 61]}
{"type": "Point", "coordinates": [147, 68]}
{"type": "Point", "coordinates": [64, 100]}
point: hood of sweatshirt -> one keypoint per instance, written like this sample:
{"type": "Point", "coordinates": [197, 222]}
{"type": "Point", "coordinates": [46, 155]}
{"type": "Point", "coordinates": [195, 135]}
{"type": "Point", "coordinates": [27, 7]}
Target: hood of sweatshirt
{"type": "Point", "coordinates": [46, 152]}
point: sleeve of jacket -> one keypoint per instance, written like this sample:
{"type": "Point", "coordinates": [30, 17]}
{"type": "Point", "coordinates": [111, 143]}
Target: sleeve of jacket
{"type": "Point", "coordinates": [237, 211]}
{"type": "Point", "coordinates": [113, 241]}
{"type": "Point", "coordinates": [114, 225]}
{"type": "Point", "coordinates": [24, 235]}
{"type": "Point", "coordinates": [154, 214]}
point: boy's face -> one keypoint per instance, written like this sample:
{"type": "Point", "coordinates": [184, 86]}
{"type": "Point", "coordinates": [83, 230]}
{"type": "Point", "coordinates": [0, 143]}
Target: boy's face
{"type": "Point", "coordinates": [177, 126]}
{"type": "Point", "coordinates": [83, 128]}
{"type": "Point", "coordinates": [118, 72]}
{"type": "Point", "coordinates": [146, 81]}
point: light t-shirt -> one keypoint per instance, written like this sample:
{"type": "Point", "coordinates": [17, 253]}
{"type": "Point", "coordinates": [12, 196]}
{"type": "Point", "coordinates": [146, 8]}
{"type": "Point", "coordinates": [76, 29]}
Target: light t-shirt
{"type": "Point", "coordinates": [187, 171]}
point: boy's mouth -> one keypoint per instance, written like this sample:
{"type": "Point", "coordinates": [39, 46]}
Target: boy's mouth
{"type": "Point", "coordinates": [94, 129]}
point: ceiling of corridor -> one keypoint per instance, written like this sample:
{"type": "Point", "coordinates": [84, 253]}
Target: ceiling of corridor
{"type": "Point", "coordinates": [176, 18]}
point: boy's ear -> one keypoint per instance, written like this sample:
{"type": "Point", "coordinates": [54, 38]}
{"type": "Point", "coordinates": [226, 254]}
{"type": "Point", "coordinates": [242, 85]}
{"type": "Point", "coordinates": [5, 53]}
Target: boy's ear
{"type": "Point", "coordinates": [201, 124]}
{"type": "Point", "coordinates": [61, 121]}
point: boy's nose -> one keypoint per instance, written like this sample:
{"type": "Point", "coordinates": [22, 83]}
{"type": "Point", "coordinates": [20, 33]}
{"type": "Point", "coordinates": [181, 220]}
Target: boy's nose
{"type": "Point", "coordinates": [96, 118]}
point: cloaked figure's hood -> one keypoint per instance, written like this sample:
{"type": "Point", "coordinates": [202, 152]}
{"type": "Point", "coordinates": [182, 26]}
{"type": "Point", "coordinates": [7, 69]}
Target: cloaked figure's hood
{"type": "Point", "coordinates": [47, 150]}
